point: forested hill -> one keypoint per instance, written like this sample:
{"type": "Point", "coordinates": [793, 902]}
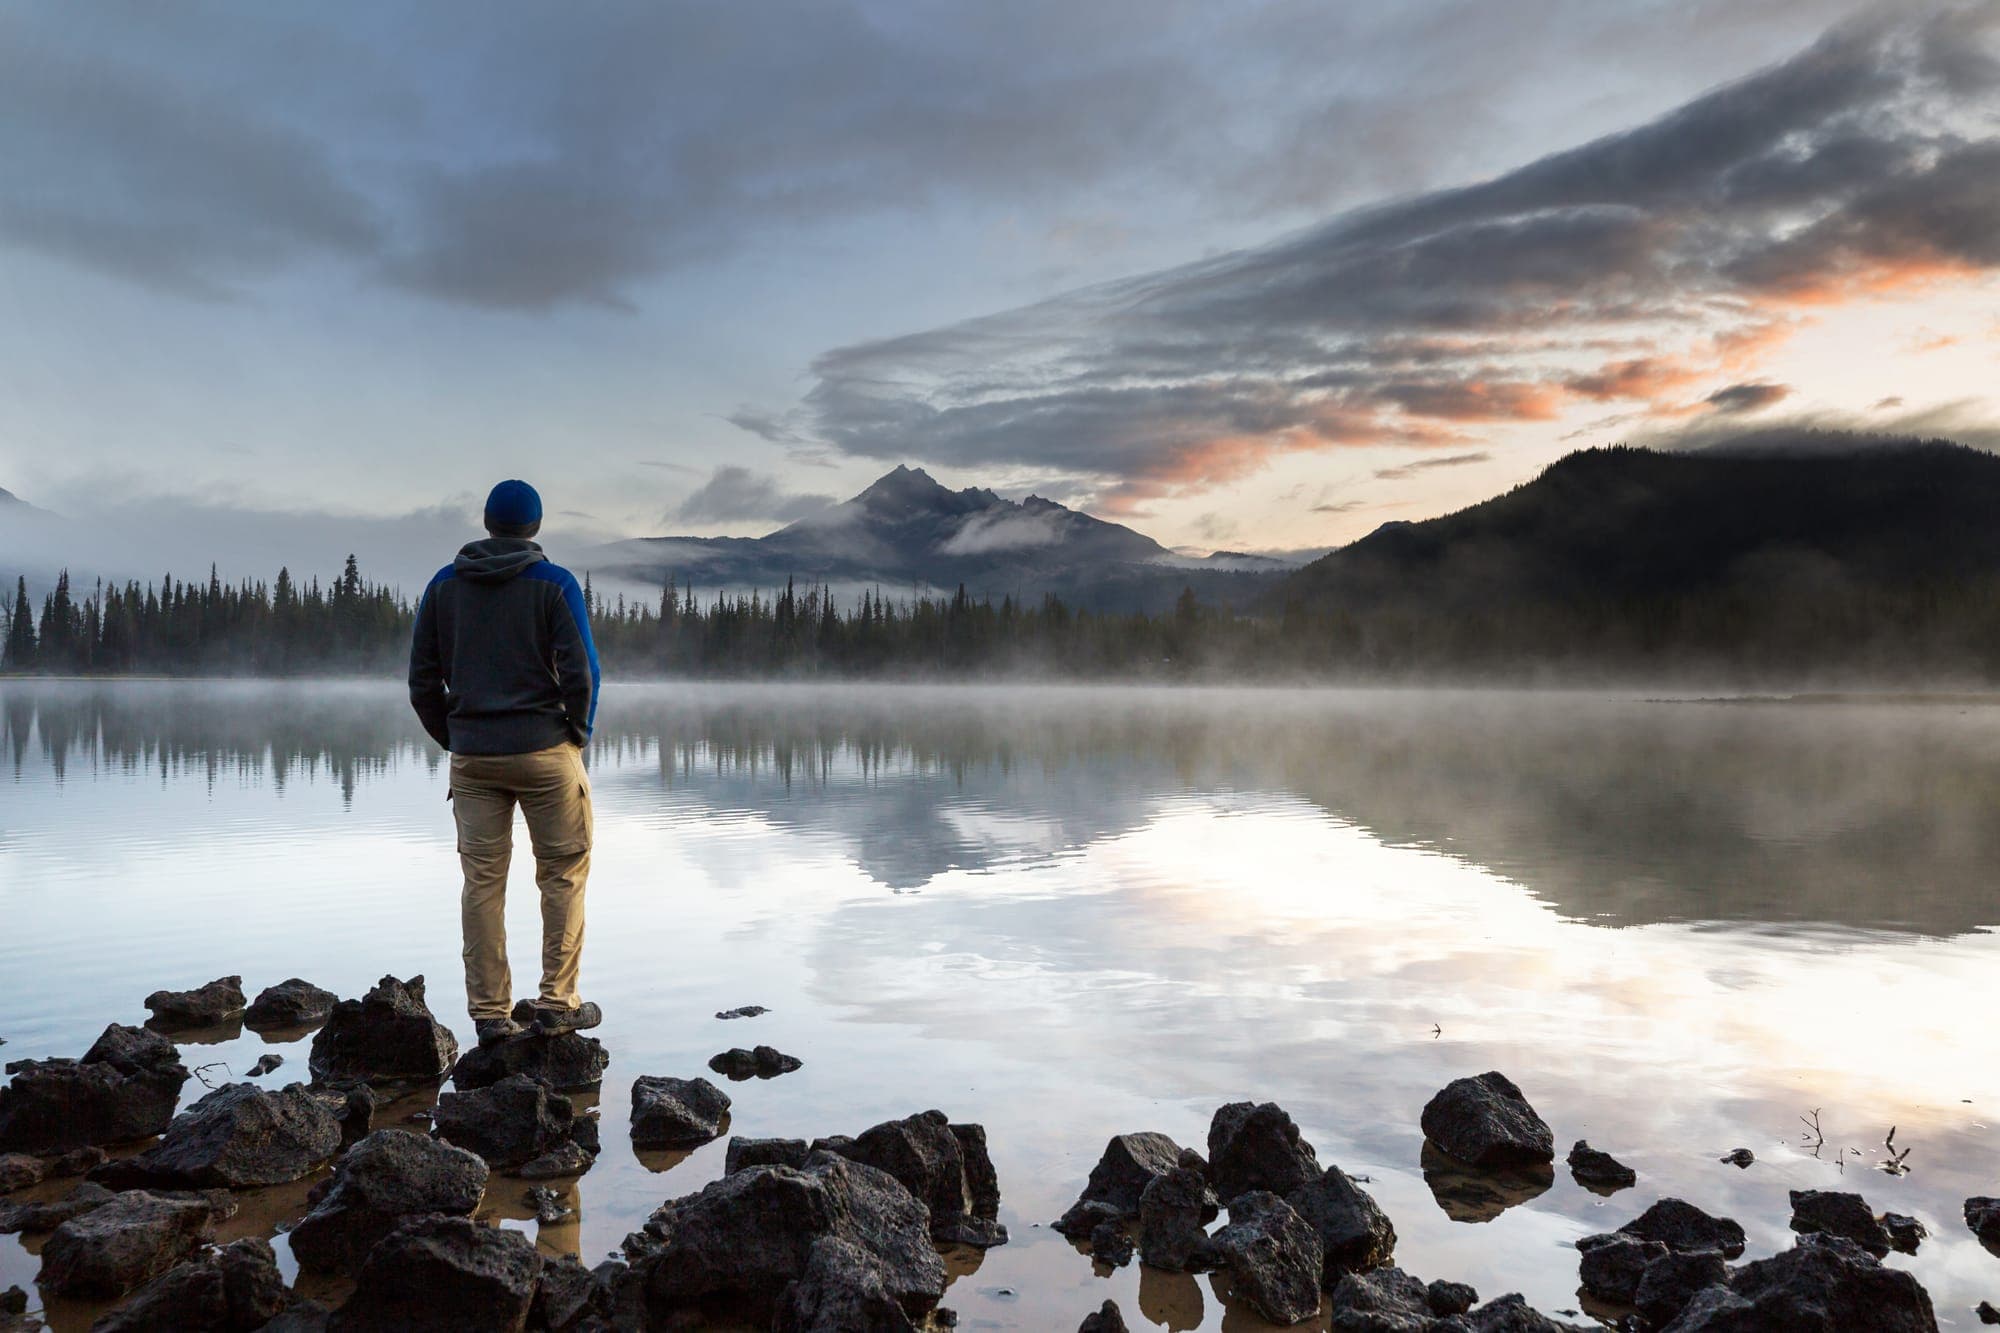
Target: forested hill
{"type": "Point", "coordinates": [1795, 553]}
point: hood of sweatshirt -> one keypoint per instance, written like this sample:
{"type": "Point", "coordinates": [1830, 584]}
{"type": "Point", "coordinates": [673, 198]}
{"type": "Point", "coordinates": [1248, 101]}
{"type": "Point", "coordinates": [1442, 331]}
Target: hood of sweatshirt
{"type": "Point", "coordinates": [496, 559]}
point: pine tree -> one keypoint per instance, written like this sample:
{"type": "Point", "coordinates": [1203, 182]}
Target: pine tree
{"type": "Point", "coordinates": [21, 630]}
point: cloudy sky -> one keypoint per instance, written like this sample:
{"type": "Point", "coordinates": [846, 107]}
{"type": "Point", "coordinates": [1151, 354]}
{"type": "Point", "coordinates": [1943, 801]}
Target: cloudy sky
{"type": "Point", "coordinates": [1254, 275]}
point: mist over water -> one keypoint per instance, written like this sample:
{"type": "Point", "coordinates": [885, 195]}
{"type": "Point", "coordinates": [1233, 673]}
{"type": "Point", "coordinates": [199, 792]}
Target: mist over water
{"type": "Point", "coordinates": [1068, 913]}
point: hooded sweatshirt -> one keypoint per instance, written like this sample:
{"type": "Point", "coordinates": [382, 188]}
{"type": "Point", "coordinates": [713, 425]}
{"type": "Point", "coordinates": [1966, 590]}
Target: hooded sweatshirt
{"type": "Point", "coordinates": [501, 661]}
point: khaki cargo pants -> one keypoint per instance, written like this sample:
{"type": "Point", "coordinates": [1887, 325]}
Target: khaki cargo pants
{"type": "Point", "coordinates": [553, 790]}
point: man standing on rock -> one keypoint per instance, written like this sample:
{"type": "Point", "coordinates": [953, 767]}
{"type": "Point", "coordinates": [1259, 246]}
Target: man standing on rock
{"type": "Point", "coordinates": [504, 675]}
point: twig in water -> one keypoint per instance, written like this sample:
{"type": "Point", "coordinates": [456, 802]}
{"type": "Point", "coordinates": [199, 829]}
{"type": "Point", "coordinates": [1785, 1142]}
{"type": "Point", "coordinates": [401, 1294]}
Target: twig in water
{"type": "Point", "coordinates": [1436, 1031]}
{"type": "Point", "coordinates": [201, 1072]}
{"type": "Point", "coordinates": [1818, 1136]}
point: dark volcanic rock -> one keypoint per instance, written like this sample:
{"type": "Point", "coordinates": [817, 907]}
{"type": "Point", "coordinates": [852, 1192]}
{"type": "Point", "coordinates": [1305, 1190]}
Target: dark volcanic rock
{"type": "Point", "coordinates": [1982, 1214]}
{"type": "Point", "coordinates": [237, 1289]}
{"type": "Point", "coordinates": [735, 1247]}
{"type": "Point", "coordinates": [1987, 1313]}
{"type": "Point", "coordinates": [547, 1205]}
{"type": "Point", "coordinates": [1387, 1300]}
{"type": "Point", "coordinates": [1273, 1257]}
{"type": "Point", "coordinates": [1354, 1234]}
{"type": "Point", "coordinates": [1486, 1122]}
{"type": "Point", "coordinates": [1822, 1285]}
{"type": "Point", "coordinates": [265, 1064]}
{"type": "Point", "coordinates": [1682, 1227]}
{"type": "Point", "coordinates": [218, 1001]}
{"type": "Point", "coordinates": [676, 1112]}
{"type": "Point", "coordinates": [1129, 1164]}
{"type": "Point", "coordinates": [1613, 1265]}
{"type": "Point", "coordinates": [1740, 1158]}
{"type": "Point", "coordinates": [130, 1240]}
{"type": "Point", "coordinates": [567, 1294]}
{"type": "Point", "coordinates": [1832, 1213]}
{"type": "Point", "coordinates": [570, 1062]}
{"type": "Point", "coordinates": [1905, 1233]}
{"type": "Point", "coordinates": [291, 1003]}
{"type": "Point", "coordinates": [510, 1123]}
{"type": "Point", "coordinates": [240, 1136]}
{"type": "Point", "coordinates": [1110, 1244]}
{"type": "Point", "coordinates": [18, 1170]}
{"type": "Point", "coordinates": [76, 1161]}
{"type": "Point", "coordinates": [1450, 1298]}
{"type": "Point", "coordinates": [743, 1152]}
{"type": "Point", "coordinates": [1106, 1320]}
{"type": "Point", "coordinates": [36, 1217]}
{"type": "Point", "coordinates": [744, 1011]}
{"type": "Point", "coordinates": [1173, 1216]}
{"type": "Point", "coordinates": [738, 1064]}
{"type": "Point", "coordinates": [946, 1169]}
{"type": "Point", "coordinates": [1599, 1170]}
{"type": "Point", "coordinates": [569, 1159]}
{"type": "Point", "coordinates": [444, 1275]}
{"type": "Point", "coordinates": [841, 1291]}
{"type": "Point", "coordinates": [386, 1178]}
{"type": "Point", "coordinates": [1252, 1147]}
{"type": "Point", "coordinates": [1673, 1280]}
{"type": "Point", "coordinates": [354, 1108]}
{"type": "Point", "coordinates": [125, 1087]}
{"type": "Point", "coordinates": [386, 1038]}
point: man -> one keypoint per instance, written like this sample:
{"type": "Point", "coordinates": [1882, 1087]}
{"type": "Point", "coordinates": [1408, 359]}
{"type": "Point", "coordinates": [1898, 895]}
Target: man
{"type": "Point", "coordinates": [504, 676]}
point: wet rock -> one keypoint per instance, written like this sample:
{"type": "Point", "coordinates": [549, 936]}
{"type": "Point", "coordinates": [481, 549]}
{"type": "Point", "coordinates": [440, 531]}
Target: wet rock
{"type": "Point", "coordinates": [1987, 1313]}
{"type": "Point", "coordinates": [763, 1062]}
{"type": "Point", "coordinates": [548, 1207]}
{"type": "Point", "coordinates": [744, 1011]}
{"type": "Point", "coordinates": [443, 1275]}
{"type": "Point", "coordinates": [1109, 1244]}
{"type": "Point", "coordinates": [1354, 1234]}
{"type": "Point", "coordinates": [387, 1038]}
{"type": "Point", "coordinates": [946, 1169]}
{"type": "Point", "coordinates": [511, 1123]}
{"type": "Point", "coordinates": [1106, 1320]}
{"type": "Point", "coordinates": [125, 1087]}
{"type": "Point", "coordinates": [1905, 1233]}
{"type": "Point", "coordinates": [568, 1295]}
{"type": "Point", "coordinates": [1173, 1214]}
{"type": "Point", "coordinates": [38, 1217]}
{"type": "Point", "coordinates": [237, 1137]}
{"type": "Point", "coordinates": [265, 1064]}
{"type": "Point", "coordinates": [1740, 1158]}
{"type": "Point", "coordinates": [76, 1161]}
{"type": "Point", "coordinates": [291, 1003]}
{"type": "Point", "coordinates": [570, 1159]}
{"type": "Point", "coordinates": [303, 1315]}
{"type": "Point", "coordinates": [1822, 1285]}
{"type": "Point", "coordinates": [1450, 1298]}
{"type": "Point", "coordinates": [1273, 1257]}
{"type": "Point", "coordinates": [383, 1180]}
{"type": "Point", "coordinates": [237, 1289]}
{"type": "Point", "coordinates": [841, 1291]}
{"type": "Point", "coordinates": [1682, 1227]}
{"type": "Point", "coordinates": [676, 1112]}
{"type": "Point", "coordinates": [1129, 1164]}
{"type": "Point", "coordinates": [1982, 1214]}
{"type": "Point", "coordinates": [18, 1170]}
{"type": "Point", "coordinates": [735, 1247]}
{"type": "Point", "coordinates": [1596, 1170]}
{"type": "Point", "coordinates": [570, 1062]}
{"type": "Point", "coordinates": [1480, 1194]}
{"type": "Point", "coordinates": [1510, 1314]}
{"type": "Point", "coordinates": [1671, 1281]}
{"type": "Point", "coordinates": [1613, 1265]}
{"type": "Point", "coordinates": [217, 1002]}
{"type": "Point", "coordinates": [353, 1109]}
{"type": "Point", "coordinates": [1486, 1122]}
{"type": "Point", "coordinates": [743, 1152]}
{"type": "Point", "coordinates": [1387, 1300]}
{"type": "Point", "coordinates": [1832, 1213]}
{"type": "Point", "coordinates": [125, 1242]}
{"type": "Point", "coordinates": [1257, 1147]}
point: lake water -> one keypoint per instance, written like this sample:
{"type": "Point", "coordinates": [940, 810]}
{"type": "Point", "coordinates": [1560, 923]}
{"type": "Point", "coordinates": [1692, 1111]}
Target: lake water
{"type": "Point", "coordinates": [1068, 913]}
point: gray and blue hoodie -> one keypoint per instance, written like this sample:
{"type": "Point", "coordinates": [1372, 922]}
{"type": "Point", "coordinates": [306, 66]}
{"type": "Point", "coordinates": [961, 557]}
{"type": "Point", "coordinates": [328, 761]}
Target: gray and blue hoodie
{"type": "Point", "coordinates": [502, 662]}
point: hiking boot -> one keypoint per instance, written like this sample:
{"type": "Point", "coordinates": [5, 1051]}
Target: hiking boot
{"type": "Point", "coordinates": [492, 1030]}
{"type": "Point", "coordinates": [554, 1022]}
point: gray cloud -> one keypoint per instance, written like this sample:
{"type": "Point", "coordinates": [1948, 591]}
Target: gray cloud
{"type": "Point", "coordinates": [734, 494]}
{"type": "Point", "coordinates": [1645, 262]}
{"type": "Point", "coordinates": [1339, 507]}
{"type": "Point", "coordinates": [1412, 468]}
{"type": "Point", "coordinates": [1738, 398]}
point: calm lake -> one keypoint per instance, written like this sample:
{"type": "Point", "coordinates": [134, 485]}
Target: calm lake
{"type": "Point", "coordinates": [1068, 913]}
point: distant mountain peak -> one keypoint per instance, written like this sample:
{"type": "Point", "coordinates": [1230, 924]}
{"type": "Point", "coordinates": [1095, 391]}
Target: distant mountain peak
{"type": "Point", "coordinates": [906, 491]}
{"type": "Point", "coordinates": [8, 497]}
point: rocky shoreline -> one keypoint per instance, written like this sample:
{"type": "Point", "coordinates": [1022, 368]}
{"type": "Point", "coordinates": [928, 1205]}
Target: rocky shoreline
{"type": "Point", "coordinates": [833, 1234]}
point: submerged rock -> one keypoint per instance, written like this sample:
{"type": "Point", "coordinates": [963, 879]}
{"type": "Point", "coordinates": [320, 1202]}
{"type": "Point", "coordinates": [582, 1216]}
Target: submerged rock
{"type": "Point", "coordinates": [1354, 1234]}
{"type": "Point", "coordinates": [1682, 1227]}
{"type": "Point", "coordinates": [743, 1152]}
{"type": "Point", "coordinates": [677, 1112]}
{"type": "Point", "coordinates": [1596, 1170]}
{"type": "Point", "coordinates": [1257, 1147]}
{"type": "Point", "coordinates": [1273, 1257]}
{"type": "Point", "coordinates": [743, 1011]}
{"type": "Point", "coordinates": [291, 1003]}
{"type": "Point", "coordinates": [38, 1217]}
{"type": "Point", "coordinates": [443, 1275]}
{"type": "Point", "coordinates": [205, 1006]}
{"type": "Point", "coordinates": [265, 1064]}
{"type": "Point", "coordinates": [1740, 1158]}
{"type": "Point", "coordinates": [127, 1241]}
{"type": "Point", "coordinates": [1905, 1233]}
{"type": "Point", "coordinates": [1821, 1285]}
{"type": "Point", "coordinates": [1174, 1212]}
{"type": "Point", "coordinates": [388, 1037]}
{"type": "Point", "coordinates": [125, 1087]}
{"type": "Point", "coordinates": [1832, 1213]}
{"type": "Point", "coordinates": [945, 1166]}
{"type": "Point", "coordinates": [237, 1289]}
{"type": "Point", "coordinates": [735, 1247]}
{"type": "Point", "coordinates": [548, 1206]}
{"type": "Point", "coordinates": [763, 1062]}
{"type": "Point", "coordinates": [1486, 1122]}
{"type": "Point", "coordinates": [1110, 1244]}
{"type": "Point", "coordinates": [569, 1062]}
{"type": "Point", "coordinates": [510, 1123]}
{"type": "Point", "coordinates": [1130, 1162]}
{"type": "Point", "coordinates": [386, 1178]}
{"type": "Point", "coordinates": [1106, 1320]}
{"type": "Point", "coordinates": [236, 1137]}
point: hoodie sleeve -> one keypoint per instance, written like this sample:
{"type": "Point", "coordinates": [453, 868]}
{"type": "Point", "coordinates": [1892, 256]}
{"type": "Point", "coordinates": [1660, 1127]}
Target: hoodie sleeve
{"type": "Point", "coordinates": [427, 692]}
{"type": "Point", "coordinates": [575, 658]}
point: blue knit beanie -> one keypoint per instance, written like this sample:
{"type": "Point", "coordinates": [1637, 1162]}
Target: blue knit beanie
{"type": "Point", "coordinates": [513, 504]}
